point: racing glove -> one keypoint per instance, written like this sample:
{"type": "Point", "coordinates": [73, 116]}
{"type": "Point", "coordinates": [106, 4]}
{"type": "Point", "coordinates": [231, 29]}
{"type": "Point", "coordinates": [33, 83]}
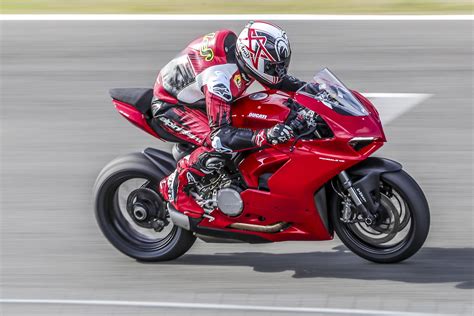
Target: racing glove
{"type": "Point", "coordinates": [277, 134]}
{"type": "Point", "coordinates": [289, 83]}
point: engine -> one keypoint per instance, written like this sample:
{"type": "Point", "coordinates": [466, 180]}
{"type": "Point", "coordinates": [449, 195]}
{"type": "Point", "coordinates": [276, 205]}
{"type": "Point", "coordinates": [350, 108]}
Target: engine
{"type": "Point", "coordinates": [217, 189]}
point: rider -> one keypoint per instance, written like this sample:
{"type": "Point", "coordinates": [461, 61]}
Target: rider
{"type": "Point", "coordinates": [194, 92]}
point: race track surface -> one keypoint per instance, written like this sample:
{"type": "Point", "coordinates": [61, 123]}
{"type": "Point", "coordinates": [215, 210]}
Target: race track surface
{"type": "Point", "coordinates": [59, 128]}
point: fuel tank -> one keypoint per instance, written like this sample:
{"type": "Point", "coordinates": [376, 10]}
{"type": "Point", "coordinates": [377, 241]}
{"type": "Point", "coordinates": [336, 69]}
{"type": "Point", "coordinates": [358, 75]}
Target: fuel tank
{"type": "Point", "coordinates": [260, 109]}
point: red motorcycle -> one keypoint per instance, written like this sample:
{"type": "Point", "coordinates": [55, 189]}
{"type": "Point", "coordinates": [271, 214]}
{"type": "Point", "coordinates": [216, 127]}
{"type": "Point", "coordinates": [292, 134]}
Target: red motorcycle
{"type": "Point", "coordinates": [322, 182]}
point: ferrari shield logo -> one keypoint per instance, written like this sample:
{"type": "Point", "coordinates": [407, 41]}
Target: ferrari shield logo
{"type": "Point", "coordinates": [238, 80]}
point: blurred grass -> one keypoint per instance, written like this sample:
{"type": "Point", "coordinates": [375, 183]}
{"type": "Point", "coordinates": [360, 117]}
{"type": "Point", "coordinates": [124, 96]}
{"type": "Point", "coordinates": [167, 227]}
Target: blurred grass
{"type": "Point", "coordinates": [239, 6]}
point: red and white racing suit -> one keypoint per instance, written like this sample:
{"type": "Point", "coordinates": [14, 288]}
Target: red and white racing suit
{"type": "Point", "coordinates": [193, 94]}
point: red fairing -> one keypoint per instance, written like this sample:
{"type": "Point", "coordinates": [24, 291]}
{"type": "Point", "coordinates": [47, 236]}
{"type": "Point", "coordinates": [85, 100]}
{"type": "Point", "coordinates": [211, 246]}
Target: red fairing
{"type": "Point", "coordinates": [260, 110]}
{"type": "Point", "coordinates": [134, 116]}
{"type": "Point", "coordinates": [295, 175]}
{"type": "Point", "coordinates": [345, 127]}
{"type": "Point", "coordinates": [372, 110]}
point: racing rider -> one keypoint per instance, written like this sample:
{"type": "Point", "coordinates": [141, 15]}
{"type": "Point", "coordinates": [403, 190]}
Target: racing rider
{"type": "Point", "coordinates": [194, 92]}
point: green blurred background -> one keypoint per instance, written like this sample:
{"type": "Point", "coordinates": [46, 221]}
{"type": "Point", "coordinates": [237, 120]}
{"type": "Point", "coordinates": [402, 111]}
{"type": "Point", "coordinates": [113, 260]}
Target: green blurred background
{"type": "Point", "coordinates": [240, 6]}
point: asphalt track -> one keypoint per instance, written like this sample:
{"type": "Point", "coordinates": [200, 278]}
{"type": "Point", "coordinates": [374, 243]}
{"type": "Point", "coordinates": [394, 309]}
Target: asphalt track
{"type": "Point", "coordinates": [59, 129]}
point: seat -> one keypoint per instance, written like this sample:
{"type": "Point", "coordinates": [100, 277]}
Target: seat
{"type": "Point", "coordinates": [140, 98]}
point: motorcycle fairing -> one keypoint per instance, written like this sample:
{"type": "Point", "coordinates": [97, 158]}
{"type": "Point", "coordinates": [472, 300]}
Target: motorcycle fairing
{"type": "Point", "coordinates": [290, 185]}
{"type": "Point", "coordinates": [294, 177]}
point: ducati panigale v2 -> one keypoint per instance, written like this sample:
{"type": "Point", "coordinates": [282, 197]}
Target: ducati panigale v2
{"type": "Point", "coordinates": [322, 182]}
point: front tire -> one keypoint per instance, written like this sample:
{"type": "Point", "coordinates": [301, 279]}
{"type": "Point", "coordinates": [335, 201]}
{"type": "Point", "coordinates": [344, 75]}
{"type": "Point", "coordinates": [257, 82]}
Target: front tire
{"type": "Point", "coordinates": [412, 217]}
{"type": "Point", "coordinates": [134, 236]}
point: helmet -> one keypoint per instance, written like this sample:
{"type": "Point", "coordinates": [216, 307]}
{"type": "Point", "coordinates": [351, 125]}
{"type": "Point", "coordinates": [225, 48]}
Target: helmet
{"type": "Point", "coordinates": [263, 52]}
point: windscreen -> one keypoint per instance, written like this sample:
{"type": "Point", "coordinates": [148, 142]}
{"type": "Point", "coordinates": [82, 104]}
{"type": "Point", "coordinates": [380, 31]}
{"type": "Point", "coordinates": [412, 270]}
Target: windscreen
{"type": "Point", "coordinates": [333, 93]}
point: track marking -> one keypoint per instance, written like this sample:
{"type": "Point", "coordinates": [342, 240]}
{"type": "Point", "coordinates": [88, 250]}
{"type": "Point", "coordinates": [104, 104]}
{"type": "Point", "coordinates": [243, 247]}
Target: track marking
{"type": "Point", "coordinates": [255, 308]}
{"type": "Point", "coordinates": [393, 95]}
{"type": "Point", "coordinates": [229, 17]}
{"type": "Point", "coordinates": [392, 105]}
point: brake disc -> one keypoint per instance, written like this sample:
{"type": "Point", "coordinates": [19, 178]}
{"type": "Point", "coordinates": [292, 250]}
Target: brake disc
{"type": "Point", "coordinates": [388, 224]}
{"type": "Point", "coordinates": [395, 197]}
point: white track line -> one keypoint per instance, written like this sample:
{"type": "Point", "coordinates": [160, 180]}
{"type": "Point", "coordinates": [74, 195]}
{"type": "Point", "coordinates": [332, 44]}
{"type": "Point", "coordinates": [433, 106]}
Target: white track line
{"type": "Point", "coordinates": [394, 95]}
{"type": "Point", "coordinates": [229, 17]}
{"type": "Point", "coordinates": [255, 308]}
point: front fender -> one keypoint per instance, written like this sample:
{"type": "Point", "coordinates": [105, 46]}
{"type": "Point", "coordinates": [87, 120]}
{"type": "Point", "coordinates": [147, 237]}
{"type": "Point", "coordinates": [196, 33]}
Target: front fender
{"type": "Point", "coordinates": [376, 165]}
{"type": "Point", "coordinates": [366, 179]}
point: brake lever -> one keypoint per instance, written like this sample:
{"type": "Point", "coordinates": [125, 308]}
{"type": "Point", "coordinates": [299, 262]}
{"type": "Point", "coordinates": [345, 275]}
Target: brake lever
{"type": "Point", "coordinates": [297, 138]}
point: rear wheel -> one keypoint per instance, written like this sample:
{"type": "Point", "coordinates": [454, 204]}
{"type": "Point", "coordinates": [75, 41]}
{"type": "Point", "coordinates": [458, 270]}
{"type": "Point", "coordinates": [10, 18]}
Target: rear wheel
{"type": "Point", "coordinates": [132, 215]}
{"type": "Point", "coordinates": [401, 226]}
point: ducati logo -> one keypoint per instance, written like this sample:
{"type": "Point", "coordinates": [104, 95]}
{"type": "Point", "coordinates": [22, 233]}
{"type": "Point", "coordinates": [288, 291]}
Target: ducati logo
{"type": "Point", "coordinates": [205, 51]}
{"type": "Point", "coordinates": [257, 115]}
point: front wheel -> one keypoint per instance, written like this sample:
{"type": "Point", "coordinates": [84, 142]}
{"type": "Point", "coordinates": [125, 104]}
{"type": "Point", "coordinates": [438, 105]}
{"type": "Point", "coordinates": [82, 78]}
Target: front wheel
{"type": "Point", "coordinates": [401, 226]}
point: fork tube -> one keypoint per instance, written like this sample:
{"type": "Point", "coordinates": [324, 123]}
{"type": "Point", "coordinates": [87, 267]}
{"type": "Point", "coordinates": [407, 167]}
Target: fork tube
{"type": "Point", "coordinates": [347, 184]}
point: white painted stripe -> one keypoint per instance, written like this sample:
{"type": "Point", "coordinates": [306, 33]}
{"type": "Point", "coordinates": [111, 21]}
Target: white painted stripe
{"type": "Point", "coordinates": [394, 95]}
{"type": "Point", "coordinates": [229, 17]}
{"type": "Point", "coordinates": [256, 308]}
{"type": "Point", "coordinates": [392, 105]}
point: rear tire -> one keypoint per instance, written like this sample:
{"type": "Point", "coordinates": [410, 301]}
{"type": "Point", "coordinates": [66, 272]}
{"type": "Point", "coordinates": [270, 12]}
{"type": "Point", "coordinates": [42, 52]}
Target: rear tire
{"type": "Point", "coordinates": [416, 204]}
{"type": "Point", "coordinates": [118, 229]}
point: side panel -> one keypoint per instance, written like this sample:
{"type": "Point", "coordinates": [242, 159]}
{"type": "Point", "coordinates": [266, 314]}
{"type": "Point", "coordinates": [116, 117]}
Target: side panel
{"type": "Point", "coordinates": [266, 161]}
{"type": "Point", "coordinates": [292, 186]}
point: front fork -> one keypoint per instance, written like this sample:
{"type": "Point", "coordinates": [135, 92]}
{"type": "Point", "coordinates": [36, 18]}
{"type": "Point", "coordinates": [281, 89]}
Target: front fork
{"type": "Point", "coordinates": [357, 197]}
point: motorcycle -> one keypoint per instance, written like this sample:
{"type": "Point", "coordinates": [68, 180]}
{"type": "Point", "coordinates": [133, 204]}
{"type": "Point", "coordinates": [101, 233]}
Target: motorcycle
{"type": "Point", "coordinates": [322, 183]}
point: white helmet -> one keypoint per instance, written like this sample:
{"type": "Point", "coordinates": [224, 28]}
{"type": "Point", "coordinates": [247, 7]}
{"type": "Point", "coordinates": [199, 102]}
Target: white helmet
{"type": "Point", "coordinates": [263, 52]}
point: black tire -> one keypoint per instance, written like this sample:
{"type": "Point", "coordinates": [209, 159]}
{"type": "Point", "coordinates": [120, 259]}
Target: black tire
{"type": "Point", "coordinates": [131, 166]}
{"type": "Point", "coordinates": [418, 230]}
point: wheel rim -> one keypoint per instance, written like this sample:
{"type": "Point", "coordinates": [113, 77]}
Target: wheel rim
{"type": "Point", "coordinates": [391, 232]}
{"type": "Point", "coordinates": [122, 223]}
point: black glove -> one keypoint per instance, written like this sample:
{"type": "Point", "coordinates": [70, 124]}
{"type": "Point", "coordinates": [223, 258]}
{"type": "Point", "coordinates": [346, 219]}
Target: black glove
{"type": "Point", "coordinates": [278, 134]}
{"type": "Point", "coordinates": [290, 83]}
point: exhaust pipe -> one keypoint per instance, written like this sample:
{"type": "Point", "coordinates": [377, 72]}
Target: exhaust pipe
{"type": "Point", "coordinates": [179, 219]}
{"type": "Point", "coordinates": [275, 228]}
